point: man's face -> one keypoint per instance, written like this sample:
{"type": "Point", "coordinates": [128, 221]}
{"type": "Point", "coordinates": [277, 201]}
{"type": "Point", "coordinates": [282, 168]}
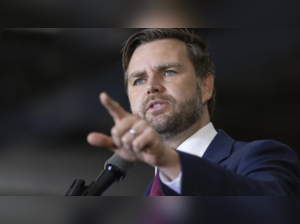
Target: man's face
{"type": "Point", "coordinates": [162, 86]}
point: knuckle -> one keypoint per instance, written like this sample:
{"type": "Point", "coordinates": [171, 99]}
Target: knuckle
{"type": "Point", "coordinates": [125, 139]}
{"type": "Point", "coordinates": [141, 124]}
{"type": "Point", "coordinates": [127, 119]}
{"type": "Point", "coordinates": [144, 123]}
{"type": "Point", "coordinates": [136, 144]}
{"type": "Point", "coordinates": [149, 130]}
{"type": "Point", "coordinates": [114, 131]}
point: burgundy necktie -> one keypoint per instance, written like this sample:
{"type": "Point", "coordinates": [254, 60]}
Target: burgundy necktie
{"type": "Point", "coordinates": [156, 190]}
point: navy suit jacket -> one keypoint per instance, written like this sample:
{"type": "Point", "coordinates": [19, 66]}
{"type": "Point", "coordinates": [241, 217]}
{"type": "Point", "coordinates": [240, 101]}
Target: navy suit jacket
{"type": "Point", "coordinates": [229, 167]}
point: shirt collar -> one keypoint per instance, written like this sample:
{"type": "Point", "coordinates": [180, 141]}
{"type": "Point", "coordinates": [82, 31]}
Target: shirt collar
{"type": "Point", "coordinates": [199, 142]}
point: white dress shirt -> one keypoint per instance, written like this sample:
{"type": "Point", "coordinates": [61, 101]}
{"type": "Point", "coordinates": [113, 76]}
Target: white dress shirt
{"type": "Point", "coordinates": [195, 145]}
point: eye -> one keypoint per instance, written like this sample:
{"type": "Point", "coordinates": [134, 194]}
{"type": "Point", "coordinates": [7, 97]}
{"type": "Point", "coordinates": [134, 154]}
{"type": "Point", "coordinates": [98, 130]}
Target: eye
{"type": "Point", "coordinates": [170, 73]}
{"type": "Point", "coordinates": [139, 81]}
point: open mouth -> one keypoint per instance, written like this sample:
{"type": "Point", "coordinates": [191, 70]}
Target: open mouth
{"type": "Point", "coordinates": [157, 106]}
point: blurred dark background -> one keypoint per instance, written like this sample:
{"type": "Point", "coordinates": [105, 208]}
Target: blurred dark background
{"type": "Point", "coordinates": [49, 91]}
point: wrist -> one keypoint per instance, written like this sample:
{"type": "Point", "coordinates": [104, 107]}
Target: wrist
{"type": "Point", "coordinates": [169, 164]}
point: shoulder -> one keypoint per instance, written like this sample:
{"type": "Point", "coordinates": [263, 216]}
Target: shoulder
{"type": "Point", "coordinates": [263, 155]}
{"type": "Point", "coordinates": [263, 147]}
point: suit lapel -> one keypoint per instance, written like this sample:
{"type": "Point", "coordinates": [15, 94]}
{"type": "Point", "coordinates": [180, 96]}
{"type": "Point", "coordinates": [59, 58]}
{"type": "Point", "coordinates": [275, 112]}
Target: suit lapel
{"type": "Point", "coordinates": [218, 150]}
{"type": "Point", "coordinates": [220, 147]}
{"type": "Point", "coordinates": [147, 193]}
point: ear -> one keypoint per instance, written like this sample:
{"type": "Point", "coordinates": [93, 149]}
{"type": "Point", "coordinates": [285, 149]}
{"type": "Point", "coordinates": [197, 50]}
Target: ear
{"type": "Point", "coordinates": [207, 87]}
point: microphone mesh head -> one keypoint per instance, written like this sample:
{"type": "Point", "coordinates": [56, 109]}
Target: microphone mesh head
{"type": "Point", "coordinates": [123, 165]}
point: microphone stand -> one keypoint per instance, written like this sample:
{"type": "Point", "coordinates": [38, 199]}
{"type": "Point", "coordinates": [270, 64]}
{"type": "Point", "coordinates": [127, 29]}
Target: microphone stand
{"type": "Point", "coordinates": [109, 176]}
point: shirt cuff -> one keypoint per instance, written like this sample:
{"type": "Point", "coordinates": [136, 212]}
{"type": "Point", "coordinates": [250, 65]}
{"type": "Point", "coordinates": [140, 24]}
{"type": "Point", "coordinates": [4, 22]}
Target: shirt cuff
{"type": "Point", "coordinates": [175, 184]}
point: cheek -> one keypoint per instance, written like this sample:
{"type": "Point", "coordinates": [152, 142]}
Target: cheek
{"type": "Point", "coordinates": [134, 109]}
{"type": "Point", "coordinates": [184, 89]}
{"type": "Point", "coordinates": [135, 103]}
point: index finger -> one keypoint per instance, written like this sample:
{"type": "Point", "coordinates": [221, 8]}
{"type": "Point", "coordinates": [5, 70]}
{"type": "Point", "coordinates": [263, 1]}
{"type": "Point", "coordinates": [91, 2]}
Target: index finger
{"type": "Point", "coordinates": [114, 108]}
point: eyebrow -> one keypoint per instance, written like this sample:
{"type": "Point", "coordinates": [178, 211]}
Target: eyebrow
{"type": "Point", "coordinates": [167, 65]}
{"type": "Point", "coordinates": [157, 68]}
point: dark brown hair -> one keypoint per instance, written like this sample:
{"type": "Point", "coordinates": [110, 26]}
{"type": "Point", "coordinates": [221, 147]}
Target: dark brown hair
{"type": "Point", "coordinates": [197, 53]}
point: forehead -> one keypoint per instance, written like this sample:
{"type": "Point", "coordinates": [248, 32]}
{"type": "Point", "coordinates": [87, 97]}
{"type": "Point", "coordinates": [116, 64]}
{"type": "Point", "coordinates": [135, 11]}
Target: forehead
{"type": "Point", "coordinates": [158, 52]}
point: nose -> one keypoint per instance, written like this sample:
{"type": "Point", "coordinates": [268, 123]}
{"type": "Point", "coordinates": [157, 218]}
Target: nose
{"type": "Point", "coordinates": [155, 85]}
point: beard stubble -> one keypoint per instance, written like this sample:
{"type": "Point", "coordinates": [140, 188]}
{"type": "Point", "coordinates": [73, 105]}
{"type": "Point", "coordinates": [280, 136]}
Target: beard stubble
{"type": "Point", "coordinates": [183, 116]}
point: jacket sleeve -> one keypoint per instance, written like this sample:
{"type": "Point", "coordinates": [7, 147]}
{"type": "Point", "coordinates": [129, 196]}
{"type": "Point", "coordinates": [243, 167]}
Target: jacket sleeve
{"type": "Point", "coordinates": [261, 168]}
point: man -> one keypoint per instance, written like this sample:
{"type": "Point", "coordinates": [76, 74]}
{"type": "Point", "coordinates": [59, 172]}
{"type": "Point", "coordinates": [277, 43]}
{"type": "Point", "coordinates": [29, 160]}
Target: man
{"type": "Point", "coordinates": [169, 78]}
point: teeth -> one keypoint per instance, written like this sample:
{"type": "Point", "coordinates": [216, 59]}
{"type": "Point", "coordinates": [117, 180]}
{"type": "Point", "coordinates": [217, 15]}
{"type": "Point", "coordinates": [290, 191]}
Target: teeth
{"type": "Point", "coordinates": [156, 105]}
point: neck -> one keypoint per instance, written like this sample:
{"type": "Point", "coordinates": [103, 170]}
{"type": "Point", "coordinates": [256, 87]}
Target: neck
{"type": "Point", "coordinates": [177, 140]}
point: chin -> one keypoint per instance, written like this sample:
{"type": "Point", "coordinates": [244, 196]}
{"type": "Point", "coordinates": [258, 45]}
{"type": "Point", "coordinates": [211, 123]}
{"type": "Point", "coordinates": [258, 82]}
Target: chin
{"type": "Point", "coordinates": [158, 120]}
{"type": "Point", "coordinates": [157, 116]}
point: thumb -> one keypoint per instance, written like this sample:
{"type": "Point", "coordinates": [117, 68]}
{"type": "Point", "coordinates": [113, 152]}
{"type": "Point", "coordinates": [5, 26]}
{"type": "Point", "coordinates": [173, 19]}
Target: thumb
{"type": "Point", "coordinates": [100, 140]}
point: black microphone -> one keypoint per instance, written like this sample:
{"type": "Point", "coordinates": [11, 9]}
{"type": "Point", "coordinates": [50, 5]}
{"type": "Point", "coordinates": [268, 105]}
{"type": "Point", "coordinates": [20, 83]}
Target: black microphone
{"type": "Point", "coordinates": [115, 170]}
